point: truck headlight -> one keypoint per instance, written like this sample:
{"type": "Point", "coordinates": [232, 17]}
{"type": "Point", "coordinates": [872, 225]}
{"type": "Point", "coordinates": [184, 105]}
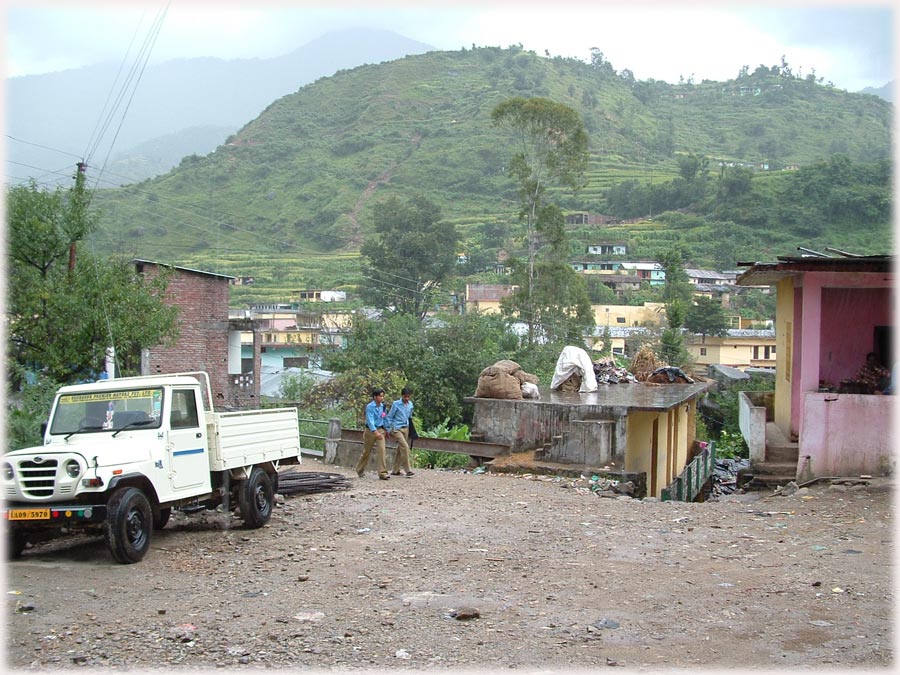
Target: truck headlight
{"type": "Point", "coordinates": [73, 469]}
{"type": "Point", "coordinates": [8, 472]}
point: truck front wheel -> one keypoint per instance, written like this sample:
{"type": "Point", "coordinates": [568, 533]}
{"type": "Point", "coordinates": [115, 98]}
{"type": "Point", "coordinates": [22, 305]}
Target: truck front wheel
{"type": "Point", "coordinates": [129, 523]}
{"type": "Point", "coordinates": [15, 544]}
{"type": "Point", "coordinates": [256, 498]}
{"type": "Point", "coordinates": [159, 522]}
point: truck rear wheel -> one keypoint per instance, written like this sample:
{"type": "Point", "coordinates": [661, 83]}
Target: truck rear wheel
{"type": "Point", "coordinates": [256, 499]}
{"type": "Point", "coordinates": [129, 523]}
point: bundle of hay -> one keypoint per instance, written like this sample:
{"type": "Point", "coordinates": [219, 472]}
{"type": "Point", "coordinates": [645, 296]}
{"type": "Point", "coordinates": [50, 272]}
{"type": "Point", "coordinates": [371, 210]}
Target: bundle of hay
{"type": "Point", "coordinates": [644, 364]}
{"type": "Point", "coordinates": [504, 379]}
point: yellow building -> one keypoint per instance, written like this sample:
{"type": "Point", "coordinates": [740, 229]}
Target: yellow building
{"type": "Point", "coordinates": [485, 298]}
{"type": "Point", "coordinates": [648, 314]}
{"type": "Point", "coordinates": [738, 348]}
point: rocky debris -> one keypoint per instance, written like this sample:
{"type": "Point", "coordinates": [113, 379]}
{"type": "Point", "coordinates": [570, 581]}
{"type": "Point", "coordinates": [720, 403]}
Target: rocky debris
{"type": "Point", "coordinates": [559, 578]}
{"type": "Point", "coordinates": [465, 614]}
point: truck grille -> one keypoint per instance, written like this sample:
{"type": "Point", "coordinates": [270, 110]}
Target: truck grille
{"type": "Point", "coordinates": [37, 480]}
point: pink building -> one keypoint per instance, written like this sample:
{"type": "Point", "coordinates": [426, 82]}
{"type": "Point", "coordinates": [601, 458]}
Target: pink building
{"type": "Point", "coordinates": [830, 313]}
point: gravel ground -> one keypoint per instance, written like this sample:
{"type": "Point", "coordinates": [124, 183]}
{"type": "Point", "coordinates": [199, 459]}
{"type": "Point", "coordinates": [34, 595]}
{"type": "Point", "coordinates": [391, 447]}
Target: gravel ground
{"type": "Point", "coordinates": [451, 570]}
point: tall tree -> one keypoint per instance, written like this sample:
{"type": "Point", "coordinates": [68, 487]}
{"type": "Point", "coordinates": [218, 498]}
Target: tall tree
{"type": "Point", "coordinates": [676, 296]}
{"type": "Point", "coordinates": [551, 148]}
{"type": "Point", "coordinates": [555, 297]}
{"type": "Point", "coordinates": [706, 317]}
{"type": "Point", "coordinates": [410, 257]}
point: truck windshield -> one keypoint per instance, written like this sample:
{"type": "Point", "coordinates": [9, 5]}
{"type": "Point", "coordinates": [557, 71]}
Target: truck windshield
{"type": "Point", "coordinates": [107, 411]}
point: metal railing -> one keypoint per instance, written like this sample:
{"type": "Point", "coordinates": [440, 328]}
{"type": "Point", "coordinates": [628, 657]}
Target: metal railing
{"type": "Point", "coordinates": [691, 480]}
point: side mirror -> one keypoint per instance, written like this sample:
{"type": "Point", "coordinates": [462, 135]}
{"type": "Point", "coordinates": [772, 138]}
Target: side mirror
{"type": "Point", "coordinates": [43, 429]}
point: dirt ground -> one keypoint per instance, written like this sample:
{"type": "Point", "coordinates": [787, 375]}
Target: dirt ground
{"type": "Point", "coordinates": [476, 572]}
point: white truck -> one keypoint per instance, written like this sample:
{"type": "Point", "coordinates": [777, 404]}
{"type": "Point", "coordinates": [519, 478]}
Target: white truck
{"type": "Point", "coordinates": [120, 454]}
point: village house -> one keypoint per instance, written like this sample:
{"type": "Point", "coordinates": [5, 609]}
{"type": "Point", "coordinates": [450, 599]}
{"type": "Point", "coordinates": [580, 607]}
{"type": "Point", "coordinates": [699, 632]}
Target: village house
{"type": "Point", "coordinates": [648, 314]}
{"type": "Point", "coordinates": [640, 433]}
{"type": "Point", "coordinates": [623, 340]}
{"type": "Point", "coordinates": [612, 248]}
{"type": "Point", "coordinates": [830, 312]}
{"type": "Point", "coordinates": [292, 337]}
{"type": "Point", "coordinates": [485, 298]}
{"type": "Point", "coordinates": [209, 340]}
{"type": "Point", "coordinates": [738, 348]}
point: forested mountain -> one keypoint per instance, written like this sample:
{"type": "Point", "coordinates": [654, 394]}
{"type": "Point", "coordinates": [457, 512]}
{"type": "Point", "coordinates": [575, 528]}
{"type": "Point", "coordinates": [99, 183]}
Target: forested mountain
{"type": "Point", "coordinates": [743, 169]}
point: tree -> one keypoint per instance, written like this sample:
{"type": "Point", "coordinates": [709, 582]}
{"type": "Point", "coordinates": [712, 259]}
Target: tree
{"type": "Point", "coordinates": [63, 316]}
{"type": "Point", "coordinates": [551, 148]}
{"type": "Point", "coordinates": [706, 317]}
{"type": "Point", "coordinates": [551, 294]}
{"type": "Point", "coordinates": [441, 364]}
{"type": "Point", "coordinates": [412, 254]}
{"type": "Point", "coordinates": [676, 296]}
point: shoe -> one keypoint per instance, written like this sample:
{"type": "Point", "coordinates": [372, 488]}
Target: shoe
{"type": "Point", "coordinates": [395, 473]}
{"type": "Point", "coordinates": [360, 473]}
{"type": "Point", "coordinates": [410, 474]}
{"type": "Point", "coordinates": [383, 476]}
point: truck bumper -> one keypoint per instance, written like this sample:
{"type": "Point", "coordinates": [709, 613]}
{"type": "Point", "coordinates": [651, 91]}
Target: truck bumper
{"type": "Point", "coordinates": [29, 516]}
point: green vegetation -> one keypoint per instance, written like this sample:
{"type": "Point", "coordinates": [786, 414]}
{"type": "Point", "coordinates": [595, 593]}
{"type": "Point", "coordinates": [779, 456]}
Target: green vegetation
{"type": "Point", "coordinates": [431, 459]}
{"type": "Point", "coordinates": [291, 197]}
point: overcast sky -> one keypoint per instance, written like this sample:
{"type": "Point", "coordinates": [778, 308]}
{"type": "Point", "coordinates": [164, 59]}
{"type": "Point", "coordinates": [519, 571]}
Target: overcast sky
{"type": "Point", "coordinates": [848, 44]}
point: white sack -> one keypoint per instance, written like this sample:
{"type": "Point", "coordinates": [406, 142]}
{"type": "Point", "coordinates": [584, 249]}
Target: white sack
{"type": "Point", "coordinates": [530, 390]}
{"type": "Point", "coordinates": [574, 360]}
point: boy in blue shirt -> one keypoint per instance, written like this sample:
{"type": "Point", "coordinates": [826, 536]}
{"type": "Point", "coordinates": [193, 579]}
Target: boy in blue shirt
{"type": "Point", "coordinates": [374, 435]}
{"type": "Point", "coordinates": [397, 424]}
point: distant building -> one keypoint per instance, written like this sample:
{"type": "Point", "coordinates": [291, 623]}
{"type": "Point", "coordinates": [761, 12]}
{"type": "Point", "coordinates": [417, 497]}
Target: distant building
{"type": "Point", "coordinates": [648, 314]}
{"type": "Point", "coordinates": [738, 348]}
{"type": "Point", "coordinates": [614, 248]}
{"type": "Point", "coordinates": [485, 298]}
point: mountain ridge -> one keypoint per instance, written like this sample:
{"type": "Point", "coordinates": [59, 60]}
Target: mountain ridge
{"type": "Point", "coordinates": [59, 110]}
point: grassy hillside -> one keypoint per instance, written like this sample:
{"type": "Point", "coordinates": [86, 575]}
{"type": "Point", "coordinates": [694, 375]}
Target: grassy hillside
{"type": "Point", "coordinates": [288, 198]}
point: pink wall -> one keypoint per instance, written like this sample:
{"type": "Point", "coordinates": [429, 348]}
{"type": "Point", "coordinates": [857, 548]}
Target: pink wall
{"type": "Point", "coordinates": [849, 316]}
{"type": "Point", "coordinates": [846, 435]}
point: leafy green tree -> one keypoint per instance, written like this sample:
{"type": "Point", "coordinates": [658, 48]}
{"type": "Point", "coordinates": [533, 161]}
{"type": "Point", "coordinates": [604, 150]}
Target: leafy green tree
{"type": "Point", "coordinates": [63, 316]}
{"type": "Point", "coordinates": [706, 317]}
{"type": "Point", "coordinates": [551, 147]}
{"type": "Point", "coordinates": [441, 364]}
{"type": "Point", "coordinates": [556, 297]}
{"type": "Point", "coordinates": [676, 296]}
{"type": "Point", "coordinates": [410, 257]}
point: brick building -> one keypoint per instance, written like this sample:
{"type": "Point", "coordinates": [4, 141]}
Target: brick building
{"type": "Point", "coordinates": [208, 340]}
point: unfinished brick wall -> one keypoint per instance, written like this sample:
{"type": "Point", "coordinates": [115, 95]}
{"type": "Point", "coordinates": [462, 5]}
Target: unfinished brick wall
{"type": "Point", "coordinates": [202, 301]}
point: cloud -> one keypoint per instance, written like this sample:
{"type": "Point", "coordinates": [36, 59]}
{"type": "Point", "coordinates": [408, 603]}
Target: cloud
{"type": "Point", "coordinates": [853, 47]}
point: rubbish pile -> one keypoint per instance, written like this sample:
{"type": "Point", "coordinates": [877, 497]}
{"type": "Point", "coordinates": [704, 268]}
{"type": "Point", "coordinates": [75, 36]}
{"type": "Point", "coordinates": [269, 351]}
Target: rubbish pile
{"type": "Point", "coordinates": [506, 379]}
{"type": "Point", "coordinates": [725, 475]}
{"type": "Point", "coordinates": [669, 375]}
{"type": "Point", "coordinates": [606, 372]}
{"type": "Point", "coordinates": [644, 364]}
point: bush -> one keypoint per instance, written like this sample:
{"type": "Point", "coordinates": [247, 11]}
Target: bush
{"type": "Point", "coordinates": [431, 459]}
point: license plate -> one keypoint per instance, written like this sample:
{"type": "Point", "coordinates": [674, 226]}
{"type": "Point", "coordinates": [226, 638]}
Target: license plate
{"type": "Point", "coordinates": [29, 514]}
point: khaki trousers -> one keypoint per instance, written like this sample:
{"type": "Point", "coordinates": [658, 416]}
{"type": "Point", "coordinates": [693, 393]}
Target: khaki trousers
{"type": "Point", "coordinates": [401, 457]}
{"type": "Point", "coordinates": [369, 440]}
